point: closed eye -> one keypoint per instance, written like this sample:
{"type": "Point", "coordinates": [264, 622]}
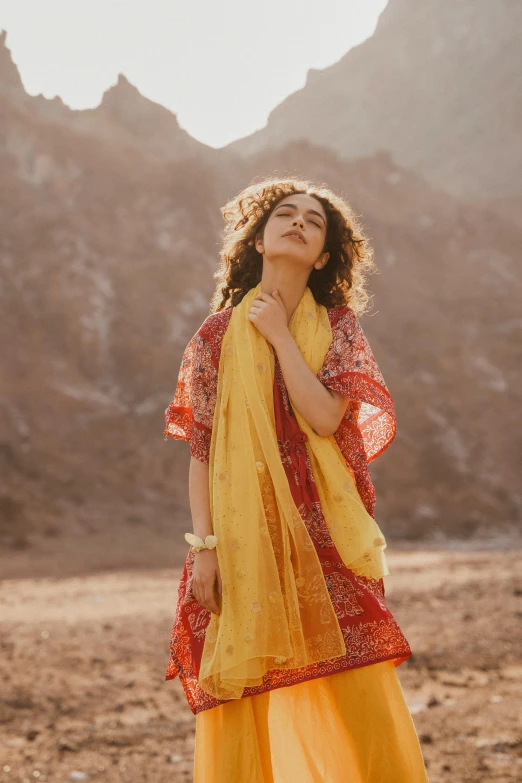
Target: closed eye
{"type": "Point", "coordinates": [287, 214]}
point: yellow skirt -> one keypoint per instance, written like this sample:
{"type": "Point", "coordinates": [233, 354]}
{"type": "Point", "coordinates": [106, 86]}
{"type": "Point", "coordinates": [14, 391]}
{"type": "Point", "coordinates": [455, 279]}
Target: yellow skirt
{"type": "Point", "coordinates": [351, 726]}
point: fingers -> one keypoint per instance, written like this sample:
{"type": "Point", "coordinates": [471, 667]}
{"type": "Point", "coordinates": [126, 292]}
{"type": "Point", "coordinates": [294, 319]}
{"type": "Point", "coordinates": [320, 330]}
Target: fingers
{"type": "Point", "coordinates": [203, 592]}
{"type": "Point", "coordinates": [260, 303]}
{"type": "Point", "coordinates": [264, 297]}
{"type": "Point", "coordinates": [210, 601]}
{"type": "Point", "coordinates": [277, 297]}
{"type": "Point", "coordinates": [194, 591]}
{"type": "Point", "coordinates": [254, 312]}
{"type": "Point", "coordinates": [269, 297]}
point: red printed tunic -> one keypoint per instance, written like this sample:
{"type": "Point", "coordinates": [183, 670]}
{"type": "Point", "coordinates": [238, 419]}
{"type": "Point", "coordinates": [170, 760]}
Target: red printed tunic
{"type": "Point", "coordinates": [370, 631]}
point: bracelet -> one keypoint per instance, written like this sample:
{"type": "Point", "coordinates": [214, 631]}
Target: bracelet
{"type": "Point", "coordinates": [198, 543]}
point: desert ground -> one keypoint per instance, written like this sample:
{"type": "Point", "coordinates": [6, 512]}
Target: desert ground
{"type": "Point", "coordinates": [83, 663]}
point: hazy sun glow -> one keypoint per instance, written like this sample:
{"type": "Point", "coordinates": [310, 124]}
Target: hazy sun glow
{"type": "Point", "coordinates": [220, 67]}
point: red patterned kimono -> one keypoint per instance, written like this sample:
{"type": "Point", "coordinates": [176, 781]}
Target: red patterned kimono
{"type": "Point", "coordinates": [370, 631]}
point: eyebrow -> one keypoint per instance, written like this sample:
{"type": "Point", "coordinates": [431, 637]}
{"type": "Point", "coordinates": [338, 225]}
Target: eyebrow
{"type": "Point", "coordinates": [313, 211]}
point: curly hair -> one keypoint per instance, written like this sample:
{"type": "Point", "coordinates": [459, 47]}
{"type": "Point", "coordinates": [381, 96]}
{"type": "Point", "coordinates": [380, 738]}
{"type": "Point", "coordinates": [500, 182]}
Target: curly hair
{"type": "Point", "coordinates": [342, 281]}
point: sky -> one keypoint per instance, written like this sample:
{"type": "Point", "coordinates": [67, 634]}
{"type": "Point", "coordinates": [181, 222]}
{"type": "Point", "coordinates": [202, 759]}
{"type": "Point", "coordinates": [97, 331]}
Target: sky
{"type": "Point", "coordinates": [221, 67]}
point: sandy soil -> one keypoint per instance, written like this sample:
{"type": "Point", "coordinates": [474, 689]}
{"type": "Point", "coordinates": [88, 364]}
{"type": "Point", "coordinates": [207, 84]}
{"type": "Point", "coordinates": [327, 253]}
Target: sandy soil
{"type": "Point", "coordinates": [83, 662]}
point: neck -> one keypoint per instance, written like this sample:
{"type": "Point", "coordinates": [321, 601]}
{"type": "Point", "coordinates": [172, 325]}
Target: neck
{"type": "Point", "coordinates": [291, 285]}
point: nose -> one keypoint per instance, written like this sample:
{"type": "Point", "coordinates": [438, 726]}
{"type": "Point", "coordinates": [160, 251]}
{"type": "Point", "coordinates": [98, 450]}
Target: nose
{"type": "Point", "coordinates": [299, 220]}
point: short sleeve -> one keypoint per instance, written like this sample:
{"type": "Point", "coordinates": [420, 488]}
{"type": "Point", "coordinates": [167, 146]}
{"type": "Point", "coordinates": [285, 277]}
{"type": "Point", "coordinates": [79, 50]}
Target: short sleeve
{"type": "Point", "coordinates": [351, 369]}
{"type": "Point", "coordinates": [190, 413]}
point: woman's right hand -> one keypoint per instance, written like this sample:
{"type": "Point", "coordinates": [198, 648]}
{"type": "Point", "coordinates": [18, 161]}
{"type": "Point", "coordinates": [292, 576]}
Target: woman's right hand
{"type": "Point", "coordinates": [205, 573]}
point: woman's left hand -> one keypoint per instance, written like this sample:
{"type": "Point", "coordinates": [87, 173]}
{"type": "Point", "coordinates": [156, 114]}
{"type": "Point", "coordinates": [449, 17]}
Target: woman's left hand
{"type": "Point", "coordinates": [268, 314]}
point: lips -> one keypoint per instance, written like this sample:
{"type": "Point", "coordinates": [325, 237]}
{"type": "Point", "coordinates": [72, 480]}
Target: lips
{"type": "Point", "coordinates": [295, 233]}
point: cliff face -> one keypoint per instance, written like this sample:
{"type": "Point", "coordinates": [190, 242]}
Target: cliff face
{"type": "Point", "coordinates": [106, 250]}
{"type": "Point", "coordinates": [438, 85]}
{"type": "Point", "coordinates": [109, 235]}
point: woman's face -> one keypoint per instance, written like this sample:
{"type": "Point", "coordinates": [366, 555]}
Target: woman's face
{"type": "Point", "coordinates": [304, 215]}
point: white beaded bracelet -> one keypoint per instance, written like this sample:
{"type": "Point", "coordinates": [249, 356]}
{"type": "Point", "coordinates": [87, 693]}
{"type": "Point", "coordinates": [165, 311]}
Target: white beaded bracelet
{"type": "Point", "coordinates": [198, 543]}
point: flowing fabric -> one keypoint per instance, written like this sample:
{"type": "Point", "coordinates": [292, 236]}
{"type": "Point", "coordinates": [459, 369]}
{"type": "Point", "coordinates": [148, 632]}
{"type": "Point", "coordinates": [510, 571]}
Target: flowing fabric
{"type": "Point", "coordinates": [276, 611]}
{"type": "Point", "coordinates": [352, 726]}
{"type": "Point", "coordinates": [370, 630]}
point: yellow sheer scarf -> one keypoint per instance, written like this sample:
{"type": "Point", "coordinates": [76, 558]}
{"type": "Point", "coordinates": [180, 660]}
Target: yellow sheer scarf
{"type": "Point", "coordinates": [276, 612]}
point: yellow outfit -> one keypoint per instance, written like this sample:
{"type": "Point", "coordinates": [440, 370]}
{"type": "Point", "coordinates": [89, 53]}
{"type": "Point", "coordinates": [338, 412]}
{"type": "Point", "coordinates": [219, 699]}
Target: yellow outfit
{"type": "Point", "coordinates": [276, 613]}
{"type": "Point", "coordinates": [349, 727]}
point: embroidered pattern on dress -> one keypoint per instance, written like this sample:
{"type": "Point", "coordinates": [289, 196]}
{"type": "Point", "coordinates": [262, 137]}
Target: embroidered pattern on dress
{"type": "Point", "coordinates": [190, 413]}
{"type": "Point", "coordinates": [344, 595]}
{"type": "Point", "coordinates": [370, 631]}
{"type": "Point", "coordinates": [368, 642]}
{"type": "Point", "coordinates": [198, 622]}
{"type": "Point", "coordinates": [369, 423]}
{"type": "Point", "coordinates": [376, 586]}
{"type": "Point", "coordinates": [316, 524]}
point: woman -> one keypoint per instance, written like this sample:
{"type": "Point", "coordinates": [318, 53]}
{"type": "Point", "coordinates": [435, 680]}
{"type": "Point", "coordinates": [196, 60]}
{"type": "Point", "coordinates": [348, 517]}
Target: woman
{"type": "Point", "coordinates": [282, 639]}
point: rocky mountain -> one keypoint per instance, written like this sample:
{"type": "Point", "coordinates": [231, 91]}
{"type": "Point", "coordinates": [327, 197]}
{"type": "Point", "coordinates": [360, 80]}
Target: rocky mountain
{"type": "Point", "coordinates": [109, 235]}
{"type": "Point", "coordinates": [438, 85]}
